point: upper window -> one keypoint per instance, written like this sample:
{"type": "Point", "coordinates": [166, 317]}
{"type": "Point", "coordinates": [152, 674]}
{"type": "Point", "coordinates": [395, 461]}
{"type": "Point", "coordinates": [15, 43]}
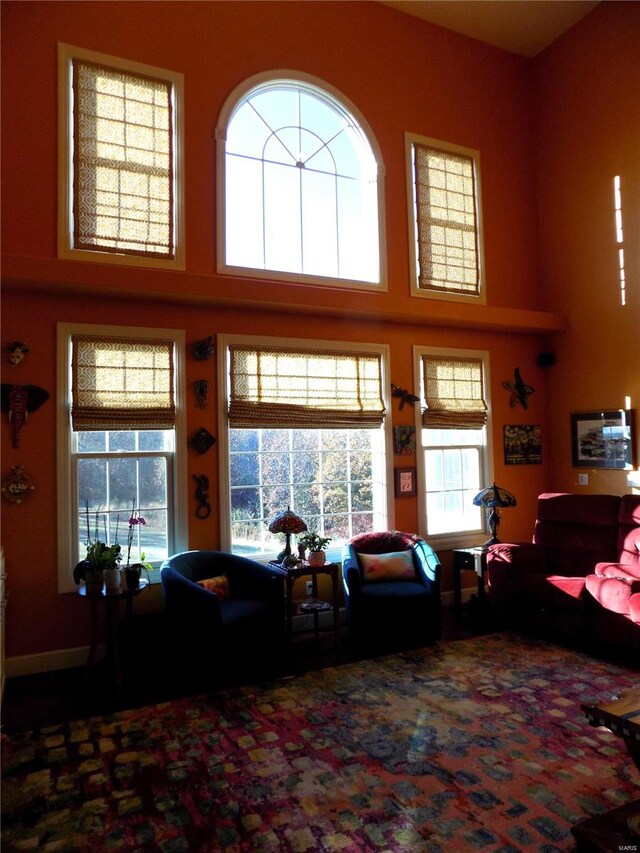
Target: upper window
{"type": "Point", "coordinates": [454, 458]}
{"type": "Point", "coordinates": [300, 189]}
{"type": "Point", "coordinates": [304, 427]}
{"type": "Point", "coordinates": [119, 199]}
{"type": "Point", "coordinates": [120, 445]}
{"type": "Point", "coordinates": [445, 222]}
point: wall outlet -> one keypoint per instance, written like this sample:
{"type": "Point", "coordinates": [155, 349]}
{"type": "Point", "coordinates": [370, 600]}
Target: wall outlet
{"type": "Point", "coordinates": [583, 479]}
{"type": "Point", "coordinates": [309, 587]}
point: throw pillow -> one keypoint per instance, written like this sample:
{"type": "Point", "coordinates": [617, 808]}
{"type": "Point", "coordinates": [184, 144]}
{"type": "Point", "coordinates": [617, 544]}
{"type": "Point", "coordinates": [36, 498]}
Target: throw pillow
{"type": "Point", "coordinates": [219, 584]}
{"type": "Point", "coordinates": [395, 566]}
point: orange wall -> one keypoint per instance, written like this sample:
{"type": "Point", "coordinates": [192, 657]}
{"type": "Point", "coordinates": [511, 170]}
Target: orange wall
{"type": "Point", "coordinates": [403, 75]}
{"type": "Point", "coordinates": [588, 130]}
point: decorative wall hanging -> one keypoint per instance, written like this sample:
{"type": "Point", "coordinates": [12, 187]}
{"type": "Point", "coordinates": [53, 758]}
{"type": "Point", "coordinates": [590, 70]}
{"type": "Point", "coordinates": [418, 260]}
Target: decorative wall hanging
{"type": "Point", "coordinates": [17, 351]}
{"type": "Point", "coordinates": [17, 486]}
{"type": "Point", "coordinates": [204, 349]}
{"type": "Point", "coordinates": [404, 395]}
{"type": "Point", "coordinates": [202, 441]}
{"type": "Point", "coordinates": [19, 401]}
{"type": "Point", "coordinates": [203, 510]}
{"type": "Point", "coordinates": [201, 387]}
{"type": "Point", "coordinates": [519, 390]}
{"type": "Point", "coordinates": [604, 439]}
{"type": "Point", "coordinates": [405, 482]}
{"type": "Point", "coordinates": [404, 440]}
{"type": "Point", "coordinates": [522, 444]}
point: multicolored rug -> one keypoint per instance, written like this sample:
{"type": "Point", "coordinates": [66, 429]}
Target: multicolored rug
{"type": "Point", "coordinates": [473, 745]}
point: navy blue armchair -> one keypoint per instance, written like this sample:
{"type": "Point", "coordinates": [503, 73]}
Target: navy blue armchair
{"type": "Point", "coordinates": [251, 619]}
{"type": "Point", "coordinates": [396, 611]}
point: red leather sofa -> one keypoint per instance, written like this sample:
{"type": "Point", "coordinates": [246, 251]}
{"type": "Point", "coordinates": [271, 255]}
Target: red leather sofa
{"type": "Point", "coordinates": [579, 578]}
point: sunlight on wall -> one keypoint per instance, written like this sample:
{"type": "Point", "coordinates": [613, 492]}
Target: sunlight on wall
{"type": "Point", "coordinates": [617, 203]}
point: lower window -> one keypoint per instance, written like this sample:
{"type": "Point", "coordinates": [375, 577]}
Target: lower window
{"type": "Point", "coordinates": [115, 473]}
{"type": "Point", "coordinates": [453, 476]}
{"type": "Point", "coordinates": [332, 478]}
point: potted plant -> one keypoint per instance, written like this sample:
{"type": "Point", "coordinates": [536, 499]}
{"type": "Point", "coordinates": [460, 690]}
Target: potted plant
{"type": "Point", "coordinates": [101, 562]}
{"type": "Point", "coordinates": [133, 571]}
{"type": "Point", "coordinates": [316, 545]}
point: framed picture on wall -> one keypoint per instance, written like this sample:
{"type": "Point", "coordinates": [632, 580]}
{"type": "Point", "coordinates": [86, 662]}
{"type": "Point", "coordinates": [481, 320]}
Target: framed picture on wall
{"type": "Point", "coordinates": [603, 439]}
{"type": "Point", "coordinates": [522, 444]}
{"type": "Point", "coordinates": [405, 482]}
{"type": "Point", "coordinates": [404, 440]}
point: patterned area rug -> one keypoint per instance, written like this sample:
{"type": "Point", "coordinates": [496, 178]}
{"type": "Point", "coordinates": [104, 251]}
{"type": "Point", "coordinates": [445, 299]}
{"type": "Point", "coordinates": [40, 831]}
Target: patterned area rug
{"type": "Point", "coordinates": [473, 745]}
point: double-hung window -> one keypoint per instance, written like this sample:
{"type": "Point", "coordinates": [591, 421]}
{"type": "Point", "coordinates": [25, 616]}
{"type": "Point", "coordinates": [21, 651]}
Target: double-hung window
{"type": "Point", "coordinates": [445, 222]}
{"type": "Point", "coordinates": [300, 189]}
{"type": "Point", "coordinates": [454, 458]}
{"type": "Point", "coordinates": [120, 195]}
{"type": "Point", "coordinates": [121, 428]}
{"type": "Point", "coordinates": [304, 427]}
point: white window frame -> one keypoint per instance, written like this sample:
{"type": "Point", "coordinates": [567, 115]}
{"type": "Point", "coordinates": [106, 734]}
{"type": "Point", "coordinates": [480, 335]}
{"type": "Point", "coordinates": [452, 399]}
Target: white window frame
{"type": "Point", "coordinates": [66, 54]}
{"type": "Point", "coordinates": [225, 341]}
{"type": "Point", "coordinates": [480, 298]}
{"type": "Point", "coordinates": [452, 539]}
{"type": "Point", "coordinates": [240, 92]}
{"type": "Point", "coordinates": [66, 490]}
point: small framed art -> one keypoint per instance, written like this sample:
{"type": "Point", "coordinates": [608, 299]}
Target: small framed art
{"type": "Point", "coordinates": [404, 440]}
{"type": "Point", "coordinates": [522, 444]}
{"type": "Point", "coordinates": [604, 439]}
{"type": "Point", "coordinates": [405, 482]}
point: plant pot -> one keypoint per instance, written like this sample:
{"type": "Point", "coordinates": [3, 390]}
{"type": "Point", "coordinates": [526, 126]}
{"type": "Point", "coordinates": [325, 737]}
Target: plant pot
{"type": "Point", "coordinates": [132, 576]}
{"type": "Point", "coordinates": [94, 579]}
{"type": "Point", "coordinates": [317, 558]}
{"type": "Point", "coordinates": [112, 580]}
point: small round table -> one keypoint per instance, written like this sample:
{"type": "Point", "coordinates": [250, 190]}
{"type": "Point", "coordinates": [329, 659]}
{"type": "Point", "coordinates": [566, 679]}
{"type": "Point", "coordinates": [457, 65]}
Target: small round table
{"type": "Point", "coordinates": [111, 600]}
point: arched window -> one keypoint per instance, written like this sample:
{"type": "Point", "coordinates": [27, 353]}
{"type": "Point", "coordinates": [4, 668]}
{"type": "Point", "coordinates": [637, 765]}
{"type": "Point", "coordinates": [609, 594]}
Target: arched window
{"type": "Point", "coordinates": [300, 186]}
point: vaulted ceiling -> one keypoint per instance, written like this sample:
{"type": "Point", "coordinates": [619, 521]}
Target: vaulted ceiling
{"type": "Point", "coordinates": [525, 27]}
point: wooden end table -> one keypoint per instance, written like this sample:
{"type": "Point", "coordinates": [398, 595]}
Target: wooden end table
{"type": "Point", "coordinates": [468, 559]}
{"type": "Point", "coordinates": [307, 570]}
{"type": "Point", "coordinates": [111, 601]}
{"type": "Point", "coordinates": [610, 832]}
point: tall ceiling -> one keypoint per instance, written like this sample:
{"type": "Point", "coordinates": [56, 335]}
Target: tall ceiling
{"type": "Point", "coordinates": [525, 27]}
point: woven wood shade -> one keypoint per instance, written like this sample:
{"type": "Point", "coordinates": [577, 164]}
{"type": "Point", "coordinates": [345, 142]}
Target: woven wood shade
{"type": "Point", "coordinates": [447, 221]}
{"type": "Point", "coordinates": [454, 393]}
{"type": "Point", "coordinates": [122, 384]}
{"type": "Point", "coordinates": [123, 162]}
{"type": "Point", "coordinates": [285, 388]}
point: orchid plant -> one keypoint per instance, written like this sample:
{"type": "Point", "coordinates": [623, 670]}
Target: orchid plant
{"type": "Point", "coordinates": [135, 520]}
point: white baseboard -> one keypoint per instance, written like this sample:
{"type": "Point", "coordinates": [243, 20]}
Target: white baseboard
{"type": "Point", "coordinates": [50, 661]}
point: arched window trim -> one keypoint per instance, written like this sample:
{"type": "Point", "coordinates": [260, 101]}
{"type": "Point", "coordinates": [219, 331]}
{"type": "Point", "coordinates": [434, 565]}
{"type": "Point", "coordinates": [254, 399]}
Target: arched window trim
{"type": "Point", "coordinates": [275, 79]}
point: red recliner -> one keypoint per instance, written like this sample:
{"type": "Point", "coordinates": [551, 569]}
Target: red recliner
{"type": "Point", "coordinates": [615, 586]}
{"type": "Point", "coordinates": [541, 586]}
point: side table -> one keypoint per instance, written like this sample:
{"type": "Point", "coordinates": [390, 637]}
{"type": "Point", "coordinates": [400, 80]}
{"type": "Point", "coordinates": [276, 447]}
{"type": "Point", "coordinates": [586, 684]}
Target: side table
{"type": "Point", "coordinates": [307, 570]}
{"type": "Point", "coordinates": [612, 831]}
{"type": "Point", "coordinates": [111, 601]}
{"type": "Point", "coordinates": [468, 559]}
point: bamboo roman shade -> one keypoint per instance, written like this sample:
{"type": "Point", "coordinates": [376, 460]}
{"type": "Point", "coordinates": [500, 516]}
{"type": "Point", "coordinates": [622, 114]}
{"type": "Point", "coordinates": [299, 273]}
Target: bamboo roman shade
{"type": "Point", "coordinates": [447, 221]}
{"type": "Point", "coordinates": [123, 162]}
{"type": "Point", "coordinates": [122, 384]}
{"type": "Point", "coordinates": [286, 388]}
{"type": "Point", "coordinates": [454, 393]}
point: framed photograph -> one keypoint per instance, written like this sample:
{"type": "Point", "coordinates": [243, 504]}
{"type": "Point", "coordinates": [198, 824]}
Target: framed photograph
{"type": "Point", "coordinates": [405, 482]}
{"type": "Point", "coordinates": [522, 444]}
{"type": "Point", "coordinates": [404, 440]}
{"type": "Point", "coordinates": [603, 439]}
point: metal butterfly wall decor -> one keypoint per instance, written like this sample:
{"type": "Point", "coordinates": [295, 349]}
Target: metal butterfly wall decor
{"type": "Point", "coordinates": [519, 390]}
{"type": "Point", "coordinates": [404, 395]}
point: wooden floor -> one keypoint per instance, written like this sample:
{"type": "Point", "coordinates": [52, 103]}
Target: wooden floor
{"type": "Point", "coordinates": [150, 676]}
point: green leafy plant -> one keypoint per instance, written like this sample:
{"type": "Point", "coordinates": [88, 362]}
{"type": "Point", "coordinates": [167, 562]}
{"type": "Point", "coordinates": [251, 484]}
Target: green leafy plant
{"type": "Point", "coordinates": [314, 542]}
{"type": "Point", "coordinates": [99, 554]}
